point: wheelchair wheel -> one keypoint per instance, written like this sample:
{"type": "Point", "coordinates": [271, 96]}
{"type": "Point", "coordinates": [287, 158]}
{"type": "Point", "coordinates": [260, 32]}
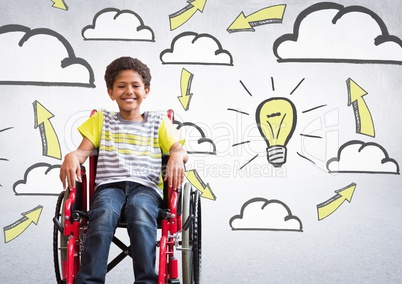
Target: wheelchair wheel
{"type": "Point", "coordinates": [59, 239]}
{"type": "Point", "coordinates": [191, 238]}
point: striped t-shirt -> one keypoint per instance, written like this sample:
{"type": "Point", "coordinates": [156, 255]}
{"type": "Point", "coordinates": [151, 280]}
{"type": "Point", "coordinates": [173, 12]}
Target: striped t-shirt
{"type": "Point", "coordinates": [128, 150]}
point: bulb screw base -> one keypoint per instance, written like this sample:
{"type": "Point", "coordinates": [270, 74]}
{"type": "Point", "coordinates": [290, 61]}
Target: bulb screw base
{"type": "Point", "coordinates": [276, 155]}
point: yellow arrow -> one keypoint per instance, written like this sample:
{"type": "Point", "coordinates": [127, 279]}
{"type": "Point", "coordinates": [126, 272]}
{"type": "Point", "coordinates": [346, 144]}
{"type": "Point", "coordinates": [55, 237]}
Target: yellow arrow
{"type": "Point", "coordinates": [364, 121]}
{"type": "Point", "coordinates": [272, 14]}
{"type": "Point", "coordinates": [60, 5]}
{"type": "Point", "coordinates": [17, 228]}
{"type": "Point", "coordinates": [50, 142]}
{"type": "Point", "coordinates": [179, 18]}
{"type": "Point", "coordinates": [328, 207]}
{"type": "Point", "coordinates": [193, 177]}
{"type": "Point", "coordinates": [185, 86]}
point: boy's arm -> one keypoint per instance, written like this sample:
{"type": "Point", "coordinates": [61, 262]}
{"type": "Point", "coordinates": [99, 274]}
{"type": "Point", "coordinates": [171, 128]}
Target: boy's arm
{"type": "Point", "coordinates": [71, 167]}
{"type": "Point", "coordinates": [175, 166]}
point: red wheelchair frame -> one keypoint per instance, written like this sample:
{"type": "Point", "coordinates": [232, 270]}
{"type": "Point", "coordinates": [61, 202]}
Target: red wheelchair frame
{"type": "Point", "coordinates": [70, 223]}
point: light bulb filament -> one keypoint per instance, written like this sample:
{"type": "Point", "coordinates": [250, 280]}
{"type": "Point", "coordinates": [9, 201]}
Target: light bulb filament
{"type": "Point", "coordinates": [275, 132]}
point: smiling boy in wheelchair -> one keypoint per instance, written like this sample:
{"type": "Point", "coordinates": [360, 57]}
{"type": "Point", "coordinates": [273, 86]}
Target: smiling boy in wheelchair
{"type": "Point", "coordinates": [128, 180]}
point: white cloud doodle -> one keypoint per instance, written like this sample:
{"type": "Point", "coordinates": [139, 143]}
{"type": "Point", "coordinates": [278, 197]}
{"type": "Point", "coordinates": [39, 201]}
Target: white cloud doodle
{"type": "Point", "coordinates": [47, 58]}
{"type": "Point", "coordinates": [261, 214]}
{"type": "Point", "coordinates": [39, 179]}
{"type": "Point", "coordinates": [359, 157]}
{"type": "Point", "coordinates": [114, 24]}
{"type": "Point", "coordinates": [196, 140]}
{"type": "Point", "coordinates": [330, 32]}
{"type": "Point", "coordinates": [193, 48]}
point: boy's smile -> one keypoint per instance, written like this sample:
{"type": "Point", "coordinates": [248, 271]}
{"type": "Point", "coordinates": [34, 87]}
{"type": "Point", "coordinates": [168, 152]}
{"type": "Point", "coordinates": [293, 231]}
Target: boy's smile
{"type": "Point", "coordinates": [129, 91]}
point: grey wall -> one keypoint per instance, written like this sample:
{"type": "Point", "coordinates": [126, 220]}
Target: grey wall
{"type": "Point", "coordinates": [329, 214]}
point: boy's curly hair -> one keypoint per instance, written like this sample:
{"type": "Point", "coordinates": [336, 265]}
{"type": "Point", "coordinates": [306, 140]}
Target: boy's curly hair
{"type": "Point", "coordinates": [127, 63]}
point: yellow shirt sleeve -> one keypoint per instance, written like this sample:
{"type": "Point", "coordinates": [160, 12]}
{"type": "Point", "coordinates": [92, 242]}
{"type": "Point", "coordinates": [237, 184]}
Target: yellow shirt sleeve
{"type": "Point", "coordinates": [168, 135]}
{"type": "Point", "coordinates": [92, 128]}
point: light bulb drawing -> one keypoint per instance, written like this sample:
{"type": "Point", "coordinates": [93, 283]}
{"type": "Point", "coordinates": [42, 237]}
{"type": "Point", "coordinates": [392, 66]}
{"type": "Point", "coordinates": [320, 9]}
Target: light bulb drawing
{"type": "Point", "coordinates": [276, 120]}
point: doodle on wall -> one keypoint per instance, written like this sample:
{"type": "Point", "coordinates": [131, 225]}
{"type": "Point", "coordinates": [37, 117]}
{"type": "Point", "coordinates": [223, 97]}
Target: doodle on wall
{"type": "Point", "coordinates": [1, 158]}
{"type": "Point", "coordinates": [60, 4]}
{"type": "Point", "coordinates": [35, 47]}
{"type": "Point", "coordinates": [260, 214]}
{"type": "Point", "coordinates": [330, 32]}
{"type": "Point", "coordinates": [39, 179]}
{"type": "Point", "coordinates": [194, 48]}
{"type": "Point", "coordinates": [272, 14]}
{"type": "Point", "coordinates": [185, 88]}
{"type": "Point", "coordinates": [183, 15]}
{"type": "Point", "coordinates": [194, 178]}
{"type": "Point", "coordinates": [316, 130]}
{"type": "Point", "coordinates": [276, 120]}
{"type": "Point", "coordinates": [114, 24]}
{"type": "Point", "coordinates": [360, 157]}
{"type": "Point", "coordinates": [364, 121]}
{"type": "Point", "coordinates": [331, 205]}
{"type": "Point", "coordinates": [17, 228]}
{"type": "Point", "coordinates": [50, 141]}
{"type": "Point", "coordinates": [196, 140]}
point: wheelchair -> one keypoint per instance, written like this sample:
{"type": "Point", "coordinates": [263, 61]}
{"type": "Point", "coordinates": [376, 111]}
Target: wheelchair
{"type": "Point", "coordinates": [179, 221]}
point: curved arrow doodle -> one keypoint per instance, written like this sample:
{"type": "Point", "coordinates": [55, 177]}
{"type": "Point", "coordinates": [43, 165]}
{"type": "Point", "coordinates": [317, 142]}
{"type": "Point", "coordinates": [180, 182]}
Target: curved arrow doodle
{"type": "Point", "coordinates": [60, 4]}
{"type": "Point", "coordinates": [17, 228]}
{"type": "Point", "coordinates": [273, 14]}
{"type": "Point", "coordinates": [50, 141]}
{"type": "Point", "coordinates": [185, 86]}
{"type": "Point", "coordinates": [331, 205]}
{"type": "Point", "coordinates": [179, 18]}
{"type": "Point", "coordinates": [364, 121]}
{"type": "Point", "coordinates": [197, 182]}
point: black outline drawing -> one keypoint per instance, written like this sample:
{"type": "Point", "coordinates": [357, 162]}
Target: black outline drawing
{"type": "Point", "coordinates": [384, 37]}
{"type": "Point", "coordinates": [70, 60]}
{"type": "Point", "coordinates": [197, 37]}
{"type": "Point", "coordinates": [203, 138]}
{"type": "Point", "coordinates": [266, 203]}
{"type": "Point", "coordinates": [118, 13]}
{"type": "Point", "coordinates": [24, 181]}
{"type": "Point", "coordinates": [362, 146]}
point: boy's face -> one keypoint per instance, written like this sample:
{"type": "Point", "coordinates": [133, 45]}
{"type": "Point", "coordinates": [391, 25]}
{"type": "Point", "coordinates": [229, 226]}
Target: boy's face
{"type": "Point", "coordinates": [128, 91]}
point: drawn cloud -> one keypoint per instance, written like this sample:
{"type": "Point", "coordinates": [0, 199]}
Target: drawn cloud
{"type": "Point", "coordinates": [114, 24]}
{"type": "Point", "coordinates": [39, 179]}
{"type": "Point", "coordinates": [193, 48]}
{"type": "Point", "coordinates": [261, 214]}
{"type": "Point", "coordinates": [330, 32]}
{"type": "Point", "coordinates": [359, 157]}
{"type": "Point", "coordinates": [196, 140]}
{"type": "Point", "coordinates": [47, 58]}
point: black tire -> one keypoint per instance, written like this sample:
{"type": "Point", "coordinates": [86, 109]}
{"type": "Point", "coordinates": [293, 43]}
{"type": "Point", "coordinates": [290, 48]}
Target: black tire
{"type": "Point", "coordinates": [191, 238]}
{"type": "Point", "coordinates": [59, 240]}
{"type": "Point", "coordinates": [197, 257]}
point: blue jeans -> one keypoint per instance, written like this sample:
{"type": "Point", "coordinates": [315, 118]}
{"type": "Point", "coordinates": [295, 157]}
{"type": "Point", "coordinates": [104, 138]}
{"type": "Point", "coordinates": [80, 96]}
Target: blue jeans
{"type": "Point", "coordinates": [140, 206]}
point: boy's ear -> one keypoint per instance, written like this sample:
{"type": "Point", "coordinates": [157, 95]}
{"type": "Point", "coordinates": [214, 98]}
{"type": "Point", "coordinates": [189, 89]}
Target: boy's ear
{"type": "Point", "coordinates": [110, 92]}
{"type": "Point", "coordinates": [147, 90]}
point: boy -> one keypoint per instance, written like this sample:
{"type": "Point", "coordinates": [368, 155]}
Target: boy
{"type": "Point", "coordinates": [128, 171]}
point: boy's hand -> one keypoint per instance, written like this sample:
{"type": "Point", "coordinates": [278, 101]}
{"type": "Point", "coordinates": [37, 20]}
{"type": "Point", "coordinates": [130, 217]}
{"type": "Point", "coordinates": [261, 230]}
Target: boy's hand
{"type": "Point", "coordinates": [175, 167]}
{"type": "Point", "coordinates": [70, 169]}
{"type": "Point", "coordinates": [175, 171]}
